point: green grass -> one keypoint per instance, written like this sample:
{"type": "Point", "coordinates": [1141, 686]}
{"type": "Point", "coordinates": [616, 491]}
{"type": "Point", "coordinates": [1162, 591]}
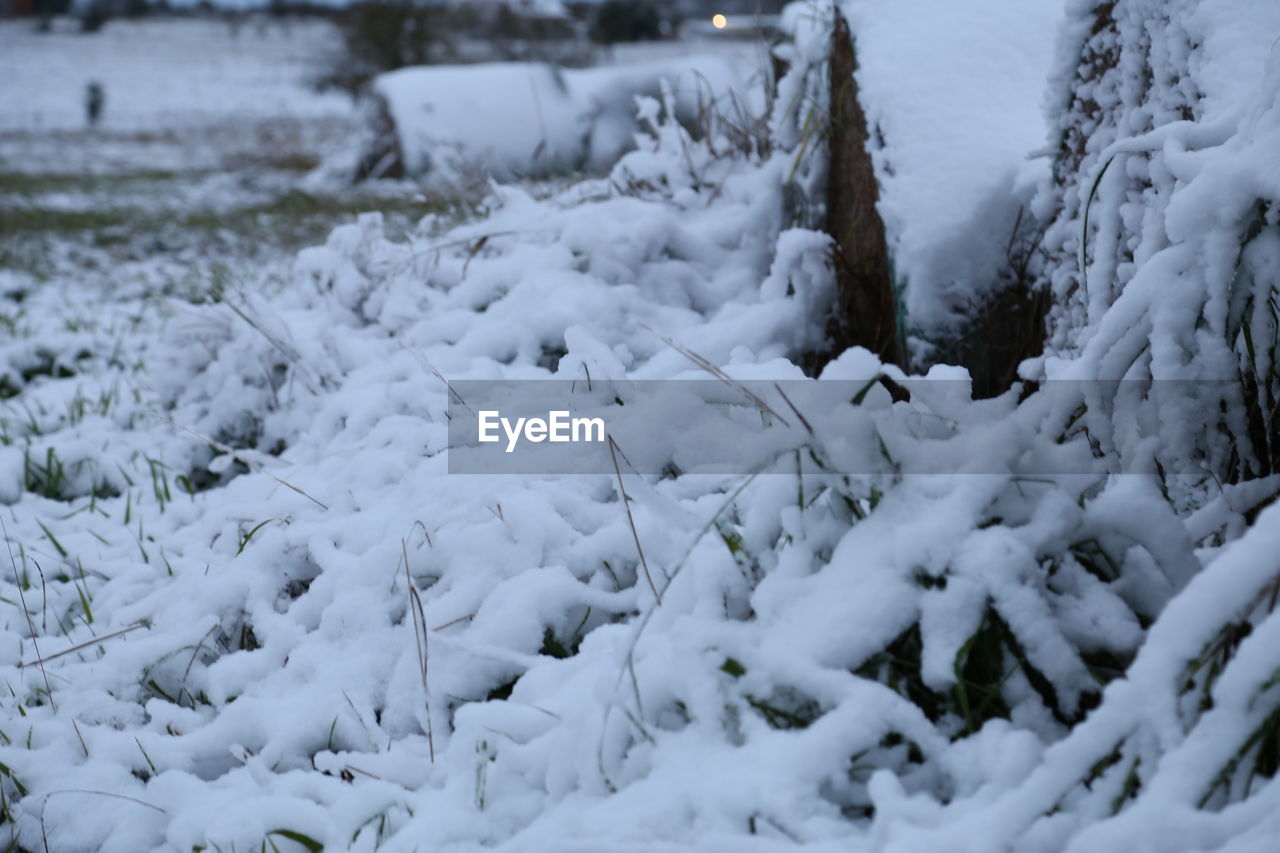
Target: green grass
{"type": "Point", "coordinates": [35, 183]}
{"type": "Point", "coordinates": [28, 219]}
{"type": "Point", "coordinates": [297, 214]}
{"type": "Point", "coordinates": [287, 221]}
{"type": "Point", "coordinates": [291, 213]}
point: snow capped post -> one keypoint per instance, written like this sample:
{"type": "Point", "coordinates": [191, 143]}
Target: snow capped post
{"type": "Point", "coordinates": [867, 305]}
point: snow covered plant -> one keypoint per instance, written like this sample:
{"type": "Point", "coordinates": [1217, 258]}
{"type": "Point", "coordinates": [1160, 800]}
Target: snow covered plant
{"type": "Point", "coordinates": [1164, 239]}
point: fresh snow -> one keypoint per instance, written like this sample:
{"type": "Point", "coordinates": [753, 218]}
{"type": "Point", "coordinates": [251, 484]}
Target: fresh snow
{"type": "Point", "coordinates": [247, 475]}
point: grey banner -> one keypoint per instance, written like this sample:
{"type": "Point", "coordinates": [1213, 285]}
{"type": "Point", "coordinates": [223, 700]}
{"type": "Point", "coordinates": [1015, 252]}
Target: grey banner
{"type": "Point", "coordinates": [865, 426]}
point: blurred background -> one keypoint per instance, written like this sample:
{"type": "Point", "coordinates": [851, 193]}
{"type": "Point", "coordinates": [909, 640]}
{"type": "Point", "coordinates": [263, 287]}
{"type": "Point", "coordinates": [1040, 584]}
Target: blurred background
{"type": "Point", "coordinates": [136, 129]}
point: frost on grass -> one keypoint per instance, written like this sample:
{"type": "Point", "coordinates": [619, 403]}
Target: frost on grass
{"type": "Point", "coordinates": [982, 657]}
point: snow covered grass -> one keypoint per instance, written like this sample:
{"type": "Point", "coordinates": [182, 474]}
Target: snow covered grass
{"type": "Point", "coordinates": [252, 413]}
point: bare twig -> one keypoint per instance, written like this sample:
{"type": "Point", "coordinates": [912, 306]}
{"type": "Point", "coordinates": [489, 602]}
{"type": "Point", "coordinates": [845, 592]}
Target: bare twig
{"type": "Point", "coordinates": [196, 651]}
{"type": "Point", "coordinates": [626, 503]}
{"type": "Point", "coordinates": [803, 420]}
{"type": "Point", "coordinates": [420, 634]}
{"type": "Point", "coordinates": [22, 598]}
{"type": "Point", "coordinates": [44, 835]}
{"type": "Point", "coordinates": [41, 661]}
{"type": "Point", "coordinates": [283, 346]}
{"type": "Point", "coordinates": [452, 393]}
{"type": "Point", "coordinates": [355, 769]}
{"type": "Point", "coordinates": [715, 371]}
{"type": "Point", "coordinates": [463, 241]}
{"type": "Point", "coordinates": [629, 664]}
{"type": "Point", "coordinates": [453, 622]}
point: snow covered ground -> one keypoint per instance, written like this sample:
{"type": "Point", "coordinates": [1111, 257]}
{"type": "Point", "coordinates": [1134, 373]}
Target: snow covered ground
{"type": "Point", "coordinates": [248, 606]}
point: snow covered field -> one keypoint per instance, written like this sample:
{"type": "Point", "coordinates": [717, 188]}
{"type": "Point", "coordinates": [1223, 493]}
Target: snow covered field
{"type": "Point", "coordinates": [166, 73]}
{"type": "Point", "coordinates": [249, 608]}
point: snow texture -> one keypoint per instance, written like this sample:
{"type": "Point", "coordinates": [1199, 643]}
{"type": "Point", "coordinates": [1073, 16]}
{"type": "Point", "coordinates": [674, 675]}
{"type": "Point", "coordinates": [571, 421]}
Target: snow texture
{"type": "Point", "coordinates": [330, 640]}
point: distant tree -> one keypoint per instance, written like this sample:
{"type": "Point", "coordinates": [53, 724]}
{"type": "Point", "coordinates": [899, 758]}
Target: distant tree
{"type": "Point", "coordinates": [382, 35]}
{"type": "Point", "coordinates": [46, 10]}
{"type": "Point", "coordinates": [510, 23]}
{"type": "Point", "coordinates": [95, 15]}
{"type": "Point", "coordinates": [618, 21]}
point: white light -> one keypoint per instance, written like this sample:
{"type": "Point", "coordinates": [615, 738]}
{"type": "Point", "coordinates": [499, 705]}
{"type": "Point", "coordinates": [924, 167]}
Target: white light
{"type": "Point", "coordinates": [719, 21]}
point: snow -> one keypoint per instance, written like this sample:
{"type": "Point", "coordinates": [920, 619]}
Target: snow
{"type": "Point", "coordinates": [267, 611]}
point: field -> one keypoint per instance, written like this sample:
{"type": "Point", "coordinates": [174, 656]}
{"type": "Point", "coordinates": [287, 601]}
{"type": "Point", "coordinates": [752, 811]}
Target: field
{"type": "Point", "coordinates": [201, 158]}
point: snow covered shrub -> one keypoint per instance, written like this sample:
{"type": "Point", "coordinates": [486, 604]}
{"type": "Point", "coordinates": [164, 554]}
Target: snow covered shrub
{"type": "Point", "coordinates": [1164, 208]}
{"type": "Point", "coordinates": [1164, 205]}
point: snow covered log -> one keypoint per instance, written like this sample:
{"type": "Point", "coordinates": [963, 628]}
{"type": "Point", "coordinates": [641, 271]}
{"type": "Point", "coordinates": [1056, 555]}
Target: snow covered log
{"type": "Point", "coordinates": [500, 119]}
{"type": "Point", "coordinates": [467, 123]}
